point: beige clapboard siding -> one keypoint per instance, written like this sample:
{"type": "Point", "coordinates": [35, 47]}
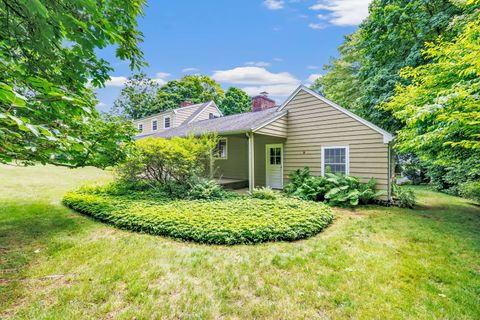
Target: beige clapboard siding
{"type": "Point", "coordinates": [331, 127]}
{"type": "Point", "coordinates": [183, 114]}
{"type": "Point", "coordinates": [313, 149]}
{"type": "Point", "coordinates": [339, 141]}
{"type": "Point", "coordinates": [312, 124]}
{"type": "Point", "coordinates": [147, 122]}
{"type": "Point", "coordinates": [205, 114]}
{"type": "Point", "coordinates": [277, 128]}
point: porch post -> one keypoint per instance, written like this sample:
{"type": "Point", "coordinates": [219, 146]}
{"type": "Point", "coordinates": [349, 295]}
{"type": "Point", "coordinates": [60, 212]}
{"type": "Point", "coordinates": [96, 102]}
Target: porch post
{"type": "Point", "coordinates": [251, 161]}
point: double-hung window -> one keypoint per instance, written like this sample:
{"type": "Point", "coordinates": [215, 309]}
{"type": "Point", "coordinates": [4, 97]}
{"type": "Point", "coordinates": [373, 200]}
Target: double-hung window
{"type": "Point", "coordinates": [140, 127]}
{"type": "Point", "coordinates": [335, 160]}
{"type": "Point", "coordinates": [220, 151]}
{"type": "Point", "coordinates": [154, 125]}
{"type": "Point", "coordinates": [166, 122]}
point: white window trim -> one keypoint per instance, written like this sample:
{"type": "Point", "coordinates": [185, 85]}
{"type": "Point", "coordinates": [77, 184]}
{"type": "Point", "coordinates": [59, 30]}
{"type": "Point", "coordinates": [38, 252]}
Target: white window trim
{"type": "Point", "coordinates": [226, 150]}
{"type": "Point", "coordinates": [165, 117]}
{"type": "Point", "coordinates": [347, 158]}
{"type": "Point", "coordinates": [155, 119]}
{"type": "Point", "coordinates": [140, 125]}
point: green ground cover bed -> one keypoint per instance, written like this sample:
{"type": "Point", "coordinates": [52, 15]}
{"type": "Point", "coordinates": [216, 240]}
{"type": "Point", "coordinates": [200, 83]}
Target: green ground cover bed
{"type": "Point", "coordinates": [224, 222]}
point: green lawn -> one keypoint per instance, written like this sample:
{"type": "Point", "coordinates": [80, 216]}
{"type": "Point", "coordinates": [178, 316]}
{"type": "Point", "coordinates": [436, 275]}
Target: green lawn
{"type": "Point", "coordinates": [373, 262]}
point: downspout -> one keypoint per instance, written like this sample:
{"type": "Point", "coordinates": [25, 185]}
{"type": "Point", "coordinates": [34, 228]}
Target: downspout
{"type": "Point", "coordinates": [251, 161]}
{"type": "Point", "coordinates": [389, 192]}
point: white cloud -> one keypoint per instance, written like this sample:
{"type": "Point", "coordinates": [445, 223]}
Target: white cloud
{"type": "Point", "coordinates": [259, 79]}
{"type": "Point", "coordinates": [253, 76]}
{"type": "Point", "coordinates": [343, 12]}
{"type": "Point", "coordinates": [101, 105]}
{"type": "Point", "coordinates": [190, 69]}
{"type": "Point", "coordinates": [273, 4]}
{"type": "Point", "coordinates": [313, 77]}
{"type": "Point", "coordinates": [116, 81]}
{"type": "Point", "coordinates": [310, 67]}
{"type": "Point", "coordinates": [317, 26]}
{"type": "Point", "coordinates": [162, 75]}
{"type": "Point", "coordinates": [258, 63]}
{"type": "Point", "coordinates": [276, 90]}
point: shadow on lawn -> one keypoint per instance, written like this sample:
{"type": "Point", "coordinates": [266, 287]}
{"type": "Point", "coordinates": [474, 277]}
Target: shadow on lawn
{"type": "Point", "coordinates": [29, 229]}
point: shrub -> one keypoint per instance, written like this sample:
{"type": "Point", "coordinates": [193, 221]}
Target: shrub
{"type": "Point", "coordinates": [470, 190]}
{"type": "Point", "coordinates": [337, 190]}
{"type": "Point", "coordinates": [449, 179]}
{"type": "Point", "coordinates": [404, 197]}
{"type": "Point", "coordinates": [205, 189]}
{"type": "Point", "coordinates": [265, 193]}
{"type": "Point", "coordinates": [157, 160]}
{"type": "Point", "coordinates": [413, 168]}
{"type": "Point", "coordinates": [313, 188]}
{"type": "Point", "coordinates": [232, 221]}
{"type": "Point", "coordinates": [367, 193]}
{"type": "Point", "coordinates": [296, 178]}
{"type": "Point", "coordinates": [345, 190]}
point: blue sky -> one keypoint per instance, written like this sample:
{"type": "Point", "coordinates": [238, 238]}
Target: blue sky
{"type": "Point", "coordinates": [256, 45]}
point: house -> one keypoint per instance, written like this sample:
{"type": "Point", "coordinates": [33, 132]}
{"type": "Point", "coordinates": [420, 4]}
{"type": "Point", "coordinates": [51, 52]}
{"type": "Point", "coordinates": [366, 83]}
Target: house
{"type": "Point", "coordinates": [263, 146]}
{"type": "Point", "coordinates": [186, 114]}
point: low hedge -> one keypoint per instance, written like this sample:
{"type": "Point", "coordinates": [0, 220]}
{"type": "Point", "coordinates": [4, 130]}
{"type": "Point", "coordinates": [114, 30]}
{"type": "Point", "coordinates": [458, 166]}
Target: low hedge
{"type": "Point", "coordinates": [225, 222]}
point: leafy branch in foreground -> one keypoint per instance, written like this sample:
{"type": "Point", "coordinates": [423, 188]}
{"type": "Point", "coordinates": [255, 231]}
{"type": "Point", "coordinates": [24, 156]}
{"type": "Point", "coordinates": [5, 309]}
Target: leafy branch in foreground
{"type": "Point", "coordinates": [48, 54]}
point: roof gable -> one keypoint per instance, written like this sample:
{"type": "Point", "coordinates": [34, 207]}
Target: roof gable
{"type": "Point", "coordinates": [199, 111]}
{"type": "Point", "coordinates": [387, 137]}
{"type": "Point", "coordinates": [188, 110]}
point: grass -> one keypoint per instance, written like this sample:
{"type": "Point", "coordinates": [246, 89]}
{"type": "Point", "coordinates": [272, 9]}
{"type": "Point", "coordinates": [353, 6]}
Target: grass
{"type": "Point", "coordinates": [373, 262]}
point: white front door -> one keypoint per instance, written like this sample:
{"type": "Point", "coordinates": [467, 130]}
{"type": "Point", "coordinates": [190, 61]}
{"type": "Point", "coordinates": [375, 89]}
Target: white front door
{"type": "Point", "coordinates": [274, 165]}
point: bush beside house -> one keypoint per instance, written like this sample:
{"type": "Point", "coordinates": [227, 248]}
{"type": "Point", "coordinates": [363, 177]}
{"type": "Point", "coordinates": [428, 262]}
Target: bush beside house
{"type": "Point", "coordinates": [336, 190]}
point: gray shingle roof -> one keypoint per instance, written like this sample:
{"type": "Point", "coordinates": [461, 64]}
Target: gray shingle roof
{"type": "Point", "coordinates": [237, 122]}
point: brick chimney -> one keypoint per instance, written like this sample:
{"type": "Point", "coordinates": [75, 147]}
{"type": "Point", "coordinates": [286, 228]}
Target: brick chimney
{"type": "Point", "coordinates": [186, 103]}
{"type": "Point", "coordinates": [262, 102]}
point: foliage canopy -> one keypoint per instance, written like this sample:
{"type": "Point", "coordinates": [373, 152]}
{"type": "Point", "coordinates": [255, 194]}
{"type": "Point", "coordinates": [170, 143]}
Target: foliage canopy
{"type": "Point", "coordinates": [48, 53]}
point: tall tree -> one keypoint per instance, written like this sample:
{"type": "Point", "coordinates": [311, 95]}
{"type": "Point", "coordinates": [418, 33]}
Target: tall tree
{"type": "Point", "coordinates": [391, 38]}
{"type": "Point", "coordinates": [441, 106]}
{"type": "Point", "coordinates": [196, 88]}
{"type": "Point", "coordinates": [138, 97]}
{"type": "Point", "coordinates": [236, 101]}
{"type": "Point", "coordinates": [48, 53]}
{"type": "Point", "coordinates": [341, 83]}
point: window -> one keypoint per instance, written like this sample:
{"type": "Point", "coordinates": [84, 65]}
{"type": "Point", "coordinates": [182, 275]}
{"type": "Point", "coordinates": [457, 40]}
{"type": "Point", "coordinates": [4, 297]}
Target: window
{"type": "Point", "coordinates": [276, 155]}
{"type": "Point", "coordinates": [211, 116]}
{"type": "Point", "coordinates": [154, 125]}
{"type": "Point", "coordinates": [166, 122]}
{"type": "Point", "coordinates": [140, 127]}
{"type": "Point", "coordinates": [220, 151]}
{"type": "Point", "coordinates": [335, 160]}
